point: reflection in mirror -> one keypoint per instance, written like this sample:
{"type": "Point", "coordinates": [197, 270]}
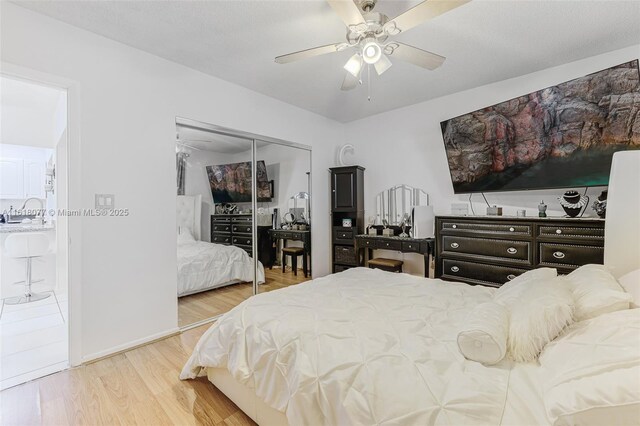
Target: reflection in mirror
{"type": "Point", "coordinates": [396, 203]}
{"type": "Point", "coordinates": [214, 223]}
{"type": "Point", "coordinates": [287, 240]}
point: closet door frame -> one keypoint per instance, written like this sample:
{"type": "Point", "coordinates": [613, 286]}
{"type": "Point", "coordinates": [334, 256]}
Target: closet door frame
{"type": "Point", "coordinates": [186, 122]}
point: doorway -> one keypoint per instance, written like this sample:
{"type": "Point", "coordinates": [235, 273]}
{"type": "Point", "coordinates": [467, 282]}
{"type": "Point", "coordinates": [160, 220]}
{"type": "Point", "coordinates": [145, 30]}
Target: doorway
{"type": "Point", "coordinates": [34, 290]}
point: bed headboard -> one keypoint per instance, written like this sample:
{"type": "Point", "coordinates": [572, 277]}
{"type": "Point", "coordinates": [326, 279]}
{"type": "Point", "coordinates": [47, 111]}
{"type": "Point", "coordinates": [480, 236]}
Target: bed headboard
{"type": "Point", "coordinates": [188, 213]}
{"type": "Point", "coordinates": [622, 225]}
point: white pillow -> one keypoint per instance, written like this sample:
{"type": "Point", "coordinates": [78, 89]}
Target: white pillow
{"type": "Point", "coordinates": [543, 310]}
{"type": "Point", "coordinates": [596, 292]}
{"type": "Point", "coordinates": [510, 292]}
{"type": "Point", "coordinates": [631, 284]}
{"type": "Point", "coordinates": [185, 235]}
{"type": "Point", "coordinates": [484, 337]}
{"type": "Point", "coordinates": [591, 374]}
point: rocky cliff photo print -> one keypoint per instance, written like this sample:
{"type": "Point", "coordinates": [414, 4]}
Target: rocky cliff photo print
{"type": "Point", "coordinates": [558, 137]}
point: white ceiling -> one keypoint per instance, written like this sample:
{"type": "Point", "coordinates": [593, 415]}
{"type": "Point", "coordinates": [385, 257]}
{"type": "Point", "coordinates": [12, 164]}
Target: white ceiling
{"type": "Point", "coordinates": [484, 41]}
{"type": "Point", "coordinates": [205, 140]}
{"type": "Point", "coordinates": [29, 113]}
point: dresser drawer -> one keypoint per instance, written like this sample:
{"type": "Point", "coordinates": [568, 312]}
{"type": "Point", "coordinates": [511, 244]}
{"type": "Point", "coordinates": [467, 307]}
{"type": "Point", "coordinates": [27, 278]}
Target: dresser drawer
{"type": "Point", "coordinates": [343, 234]}
{"type": "Point", "coordinates": [242, 228]}
{"type": "Point", "coordinates": [561, 232]}
{"type": "Point", "coordinates": [478, 273]}
{"type": "Point", "coordinates": [242, 240]}
{"type": "Point", "coordinates": [487, 248]}
{"type": "Point", "coordinates": [569, 256]}
{"type": "Point", "coordinates": [389, 245]}
{"type": "Point", "coordinates": [220, 219]}
{"type": "Point", "coordinates": [340, 268]}
{"type": "Point", "coordinates": [221, 238]}
{"type": "Point", "coordinates": [411, 247]}
{"type": "Point", "coordinates": [242, 219]}
{"type": "Point", "coordinates": [489, 229]}
{"type": "Point", "coordinates": [345, 255]}
{"type": "Point", "coordinates": [221, 227]}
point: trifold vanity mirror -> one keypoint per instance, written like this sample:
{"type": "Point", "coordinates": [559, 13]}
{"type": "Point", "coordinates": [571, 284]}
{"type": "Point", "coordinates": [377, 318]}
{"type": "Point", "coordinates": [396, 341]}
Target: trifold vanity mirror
{"type": "Point", "coordinates": [396, 203]}
{"type": "Point", "coordinates": [243, 217]}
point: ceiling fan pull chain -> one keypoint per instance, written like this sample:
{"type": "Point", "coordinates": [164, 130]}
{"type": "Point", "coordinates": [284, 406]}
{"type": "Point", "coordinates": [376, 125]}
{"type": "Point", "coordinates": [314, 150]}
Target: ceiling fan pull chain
{"type": "Point", "coordinates": [369, 83]}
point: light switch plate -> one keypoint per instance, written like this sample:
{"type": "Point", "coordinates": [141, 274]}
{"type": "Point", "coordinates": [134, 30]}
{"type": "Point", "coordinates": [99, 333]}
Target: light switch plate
{"type": "Point", "coordinates": [105, 201]}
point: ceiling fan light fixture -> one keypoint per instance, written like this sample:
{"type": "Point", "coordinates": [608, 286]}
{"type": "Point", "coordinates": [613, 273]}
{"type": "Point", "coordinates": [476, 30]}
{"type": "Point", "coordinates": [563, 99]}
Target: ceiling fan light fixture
{"type": "Point", "coordinates": [382, 65]}
{"type": "Point", "coordinates": [354, 65]}
{"type": "Point", "coordinates": [371, 51]}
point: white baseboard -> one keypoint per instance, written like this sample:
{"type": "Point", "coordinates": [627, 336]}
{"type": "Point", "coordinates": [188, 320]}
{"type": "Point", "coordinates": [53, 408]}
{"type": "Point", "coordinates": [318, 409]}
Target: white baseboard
{"type": "Point", "coordinates": [129, 345]}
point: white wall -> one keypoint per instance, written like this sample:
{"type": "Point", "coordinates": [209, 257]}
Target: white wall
{"type": "Point", "coordinates": [405, 145]}
{"type": "Point", "coordinates": [287, 167]}
{"type": "Point", "coordinates": [128, 103]}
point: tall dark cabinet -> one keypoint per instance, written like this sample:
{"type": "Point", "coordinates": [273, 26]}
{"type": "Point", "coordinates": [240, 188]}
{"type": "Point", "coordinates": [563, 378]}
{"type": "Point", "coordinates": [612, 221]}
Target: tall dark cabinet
{"type": "Point", "coordinates": [347, 202]}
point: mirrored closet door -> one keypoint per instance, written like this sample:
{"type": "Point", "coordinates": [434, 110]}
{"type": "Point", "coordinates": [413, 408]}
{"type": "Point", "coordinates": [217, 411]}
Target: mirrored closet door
{"type": "Point", "coordinates": [283, 214]}
{"type": "Point", "coordinates": [214, 207]}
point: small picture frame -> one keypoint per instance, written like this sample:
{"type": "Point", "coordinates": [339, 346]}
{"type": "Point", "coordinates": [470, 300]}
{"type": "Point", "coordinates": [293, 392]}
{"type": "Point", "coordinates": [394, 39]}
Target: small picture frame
{"type": "Point", "coordinates": [347, 223]}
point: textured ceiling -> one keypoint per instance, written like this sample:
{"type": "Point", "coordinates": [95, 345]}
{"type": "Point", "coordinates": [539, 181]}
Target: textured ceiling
{"type": "Point", "coordinates": [484, 41]}
{"type": "Point", "coordinates": [205, 140]}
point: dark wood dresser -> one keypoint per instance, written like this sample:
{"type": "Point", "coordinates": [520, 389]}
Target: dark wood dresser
{"type": "Point", "coordinates": [347, 202]}
{"type": "Point", "coordinates": [491, 250]}
{"type": "Point", "coordinates": [235, 230]}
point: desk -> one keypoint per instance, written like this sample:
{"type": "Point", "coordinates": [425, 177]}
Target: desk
{"type": "Point", "coordinates": [423, 246]}
{"type": "Point", "coordinates": [289, 234]}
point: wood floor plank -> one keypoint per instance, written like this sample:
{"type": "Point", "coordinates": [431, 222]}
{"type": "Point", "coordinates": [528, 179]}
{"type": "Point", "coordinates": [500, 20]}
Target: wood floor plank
{"type": "Point", "coordinates": [201, 306]}
{"type": "Point", "coordinates": [140, 386]}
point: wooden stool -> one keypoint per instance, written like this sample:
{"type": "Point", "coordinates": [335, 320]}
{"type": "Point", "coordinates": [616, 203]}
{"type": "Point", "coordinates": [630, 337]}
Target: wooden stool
{"type": "Point", "coordinates": [294, 252]}
{"type": "Point", "coordinates": [390, 265]}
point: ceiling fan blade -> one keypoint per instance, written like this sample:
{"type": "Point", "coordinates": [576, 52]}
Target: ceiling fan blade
{"type": "Point", "coordinates": [383, 64]}
{"type": "Point", "coordinates": [424, 11]}
{"type": "Point", "coordinates": [310, 53]}
{"type": "Point", "coordinates": [350, 81]}
{"type": "Point", "coordinates": [416, 56]}
{"type": "Point", "coordinates": [349, 13]}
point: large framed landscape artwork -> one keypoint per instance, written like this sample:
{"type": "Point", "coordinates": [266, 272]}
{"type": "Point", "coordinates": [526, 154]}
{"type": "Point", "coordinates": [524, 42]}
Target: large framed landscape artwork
{"type": "Point", "coordinates": [559, 137]}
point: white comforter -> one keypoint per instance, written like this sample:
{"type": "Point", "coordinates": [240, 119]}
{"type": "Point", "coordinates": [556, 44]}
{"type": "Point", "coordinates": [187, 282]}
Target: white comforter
{"type": "Point", "coordinates": [360, 347]}
{"type": "Point", "coordinates": [203, 265]}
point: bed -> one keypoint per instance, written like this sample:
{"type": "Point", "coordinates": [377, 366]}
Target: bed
{"type": "Point", "coordinates": [372, 347]}
{"type": "Point", "coordinates": [202, 265]}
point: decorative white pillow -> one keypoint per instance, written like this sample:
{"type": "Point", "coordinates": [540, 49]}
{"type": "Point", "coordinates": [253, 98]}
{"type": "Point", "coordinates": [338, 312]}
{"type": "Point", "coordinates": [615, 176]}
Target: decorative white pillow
{"type": "Point", "coordinates": [631, 284]}
{"type": "Point", "coordinates": [511, 292]}
{"type": "Point", "coordinates": [543, 310]}
{"type": "Point", "coordinates": [596, 292]}
{"type": "Point", "coordinates": [185, 235]}
{"type": "Point", "coordinates": [484, 337]}
{"type": "Point", "coordinates": [591, 374]}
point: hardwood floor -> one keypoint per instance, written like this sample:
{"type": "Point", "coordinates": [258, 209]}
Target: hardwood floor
{"type": "Point", "coordinates": [137, 387]}
{"type": "Point", "coordinates": [201, 306]}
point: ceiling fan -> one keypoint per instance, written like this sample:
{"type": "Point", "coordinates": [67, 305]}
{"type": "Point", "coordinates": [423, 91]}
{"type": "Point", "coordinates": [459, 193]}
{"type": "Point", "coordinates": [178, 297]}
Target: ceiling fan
{"type": "Point", "coordinates": [368, 32]}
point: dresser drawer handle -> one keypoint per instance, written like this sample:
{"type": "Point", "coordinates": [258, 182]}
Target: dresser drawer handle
{"type": "Point", "coordinates": [248, 229]}
{"type": "Point", "coordinates": [510, 277]}
{"type": "Point", "coordinates": [344, 235]}
{"type": "Point", "coordinates": [558, 231]}
{"type": "Point", "coordinates": [558, 255]}
{"type": "Point", "coordinates": [387, 244]}
{"type": "Point", "coordinates": [454, 269]}
{"type": "Point", "coordinates": [512, 250]}
{"type": "Point", "coordinates": [455, 245]}
{"type": "Point", "coordinates": [454, 226]}
{"type": "Point", "coordinates": [512, 229]}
